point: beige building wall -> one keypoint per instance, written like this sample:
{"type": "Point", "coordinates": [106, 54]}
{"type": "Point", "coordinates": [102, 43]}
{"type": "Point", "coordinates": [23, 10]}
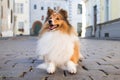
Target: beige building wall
{"type": "Point", "coordinates": [102, 11]}
{"type": "Point", "coordinates": [113, 12]}
{"type": "Point", "coordinates": [6, 22]}
{"type": "Point", "coordinates": [4, 15]}
{"type": "Point", "coordinates": [107, 10]}
{"type": "Point", "coordinates": [114, 9]}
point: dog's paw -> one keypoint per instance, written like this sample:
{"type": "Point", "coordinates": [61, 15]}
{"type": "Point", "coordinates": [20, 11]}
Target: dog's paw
{"type": "Point", "coordinates": [71, 67]}
{"type": "Point", "coordinates": [51, 68]}
{"type": "Point", "coordinates": [72, 70]}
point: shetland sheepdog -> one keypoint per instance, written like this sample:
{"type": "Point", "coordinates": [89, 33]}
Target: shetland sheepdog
{"type": "Point", "coordinates": [58, 43]}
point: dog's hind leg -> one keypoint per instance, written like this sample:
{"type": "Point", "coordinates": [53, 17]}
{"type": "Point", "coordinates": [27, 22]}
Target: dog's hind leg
{"type": "Point", "coordinates": [71, 67]}
{"type": "Point", "coordinates": [76, 54]}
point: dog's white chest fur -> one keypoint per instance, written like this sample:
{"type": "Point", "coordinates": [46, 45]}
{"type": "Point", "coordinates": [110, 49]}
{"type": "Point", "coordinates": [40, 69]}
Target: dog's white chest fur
{"type": "Point", "coordinates": [56, 46]}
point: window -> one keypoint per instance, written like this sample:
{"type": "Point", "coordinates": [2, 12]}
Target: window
{"type": "Point", "coordinates": [21, 26]}
{"type": "Point", "coordinates": [42, 17]}
{"type": "Point", "coordinates": [79, 10]}
{"type": "Point", "coordinates": [35, 6]}
{"type": "Point", "coordinates": [106, 34]}
{"type": "Point", "coordinates": [79, 28]}
{"type": "Point", "coordinates": [79, 25]}
{"type": "Point", "coordinates": [8, 4]}
{"type": "Point", "coordinates": [54, 8]}
{"type": "Point", "coordinates": [58, 7]}
{"type": "Point", "coordinates": [1, 11]}
{"type": "Point", "coordinates": [42, 8]}
{"type": "Point", "coordinates": [48, 7]}
{"type": "Point", "coordinates": [11, 16]}
{"type": "Point", "coordinates": [19, 8]}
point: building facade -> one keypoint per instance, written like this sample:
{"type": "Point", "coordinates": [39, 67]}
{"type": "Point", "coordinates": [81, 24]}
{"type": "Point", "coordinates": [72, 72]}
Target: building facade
{"type": "Point", "coordinates": [22, 24]}
{"type": "Point", "coordinates": [102, 18]}
{"type": "Point", "coordinates": [38, 12]}
{"type": "Point", "coordinates": [6, 18]}
{"type": "Point", "coordinates": [91, 15]}
{"type": "Point", "coordinates": [75, 14]}
{"type": "Point", "coordinates": [110, 19]}
{"type": "Point", "coordinates": [26, 17]}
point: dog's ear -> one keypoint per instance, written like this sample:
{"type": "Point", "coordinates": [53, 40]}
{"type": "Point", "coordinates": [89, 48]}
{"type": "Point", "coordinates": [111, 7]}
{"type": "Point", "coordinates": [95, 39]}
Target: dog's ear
{"type": "Point", "coordinates": [63, 13]}
{"type": "Point", "coordinates": [49, 12]}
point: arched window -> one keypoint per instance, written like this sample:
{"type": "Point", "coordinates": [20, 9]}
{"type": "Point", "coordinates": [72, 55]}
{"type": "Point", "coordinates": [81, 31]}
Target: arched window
{"type": "Point", "coordinates": [35, 6]}
{"type": "Point", "coordinates": [42, 8]}
{"type": "Point", "coordinates": [79, 9]}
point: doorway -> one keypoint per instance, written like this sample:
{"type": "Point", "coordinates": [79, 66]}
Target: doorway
{"type": "Point", "coordinates": [36, 28]}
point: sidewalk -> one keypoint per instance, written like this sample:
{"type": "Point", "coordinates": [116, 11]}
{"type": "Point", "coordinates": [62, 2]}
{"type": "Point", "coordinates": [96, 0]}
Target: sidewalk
{"type": "Point", "coordinates": [18, 61]}
{"type": "Point", "coordinates": [105, 38]}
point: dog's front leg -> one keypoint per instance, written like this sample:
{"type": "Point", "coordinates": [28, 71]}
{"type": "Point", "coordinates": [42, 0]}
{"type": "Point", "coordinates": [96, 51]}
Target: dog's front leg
{"type": "Point", "coordinates": [51, 68]}
{"type": "Point", "coordinates": [71, 67]}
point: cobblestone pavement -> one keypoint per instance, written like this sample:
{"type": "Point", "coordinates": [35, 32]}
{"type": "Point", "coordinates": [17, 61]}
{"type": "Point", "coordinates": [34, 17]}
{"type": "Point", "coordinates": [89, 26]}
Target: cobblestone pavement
{"type": "Point", "coordinates": [18, 61]}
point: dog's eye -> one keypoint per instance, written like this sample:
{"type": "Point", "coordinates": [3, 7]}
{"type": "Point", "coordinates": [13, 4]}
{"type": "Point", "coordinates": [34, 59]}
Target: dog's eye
{"type": "Point", "coordinates": [57, 19]}
{"type": "Point", "coordinates": [50, 18]}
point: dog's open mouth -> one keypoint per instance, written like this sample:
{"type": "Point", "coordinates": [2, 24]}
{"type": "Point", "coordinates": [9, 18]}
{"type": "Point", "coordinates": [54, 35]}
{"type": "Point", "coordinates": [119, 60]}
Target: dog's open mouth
{"type": "Point", "coordinates": [52, 27]}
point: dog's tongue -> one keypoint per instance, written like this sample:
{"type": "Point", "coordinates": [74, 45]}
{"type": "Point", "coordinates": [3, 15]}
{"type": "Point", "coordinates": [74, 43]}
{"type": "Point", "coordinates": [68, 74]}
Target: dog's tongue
{"type": "Point", "coordinates": [52, 27]}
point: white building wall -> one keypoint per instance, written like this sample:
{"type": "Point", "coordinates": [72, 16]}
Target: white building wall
{"type": "Point", "coordinates": [74, 17]}
{"type": "Point", "coordinates": [23, 17]}
{"type": "Point", "coordinates": [84, 21]}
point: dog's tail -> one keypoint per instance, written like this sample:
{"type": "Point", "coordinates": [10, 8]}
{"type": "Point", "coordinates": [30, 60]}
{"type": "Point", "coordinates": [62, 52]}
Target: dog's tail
{"type": "Point", "coordinates": [42, 66]}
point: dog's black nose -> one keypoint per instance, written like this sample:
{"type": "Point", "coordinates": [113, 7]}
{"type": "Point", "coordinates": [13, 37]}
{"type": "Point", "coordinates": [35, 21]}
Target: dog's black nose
{"type": "Point", "coordinates": [50, 21]}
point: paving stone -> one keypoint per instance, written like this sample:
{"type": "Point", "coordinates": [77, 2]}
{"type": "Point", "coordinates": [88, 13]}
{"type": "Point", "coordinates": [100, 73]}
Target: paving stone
{"type": "Point", "coordinates": [96, 74]}
{"type": "Point", "coordinates": [39, 74]}
{"type": "Point", "coordinates": [111, 77]}
{"type": "Point", "coordinates": [10, 78]}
